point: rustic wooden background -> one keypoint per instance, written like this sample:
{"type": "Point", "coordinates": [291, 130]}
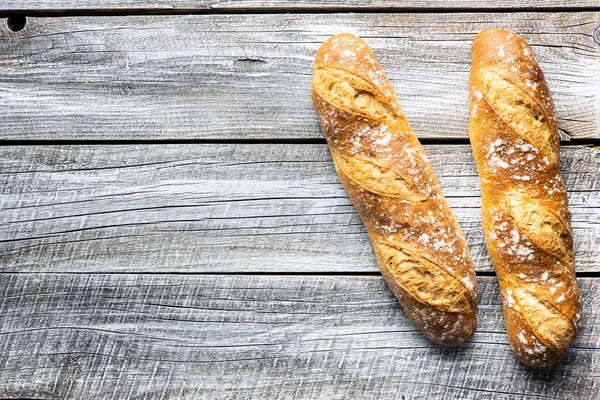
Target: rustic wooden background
{"type": "Point", "coordinates": [171, 225]}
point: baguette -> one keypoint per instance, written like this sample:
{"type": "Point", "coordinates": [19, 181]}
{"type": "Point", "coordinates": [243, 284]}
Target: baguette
{"type": "Point", "coordinates": [420, 248]}
{"type": "Point", "coordinates": [526, 220]}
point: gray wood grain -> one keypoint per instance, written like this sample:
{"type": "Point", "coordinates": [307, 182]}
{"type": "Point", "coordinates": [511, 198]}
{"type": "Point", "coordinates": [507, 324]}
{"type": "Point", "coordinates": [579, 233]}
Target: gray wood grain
{"type": "Point", "coordinates": [225, 208]}
{"type": "Point", "coordinates": [261, 337]}
{"type": "Point", "coordinates": [269, 5]}
{"type": "Point", "coordinates": [248, 76]}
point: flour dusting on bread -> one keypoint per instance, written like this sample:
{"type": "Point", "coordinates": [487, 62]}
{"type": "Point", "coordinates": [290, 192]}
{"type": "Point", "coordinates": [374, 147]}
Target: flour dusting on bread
{"type": "Point", "coordinates": [419, 245]}
{"type": "Point", "coordinates": [514, 135]}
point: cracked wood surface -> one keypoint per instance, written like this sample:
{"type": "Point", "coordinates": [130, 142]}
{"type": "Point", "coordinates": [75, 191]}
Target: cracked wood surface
{"type": "Point", "coordinates": [226, 208]}
{"type": "Point", "coordinates": [143, 336]}
{"type": "Point", "coordinates": [176, 77]}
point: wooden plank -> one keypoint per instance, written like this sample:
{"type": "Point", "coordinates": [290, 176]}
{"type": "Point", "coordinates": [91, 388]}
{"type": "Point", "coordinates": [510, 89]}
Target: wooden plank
{"type": "Point", "coordinates": [225, 208]}
{"type": "Point", "coordinates": [248, 76]}
{"type": "Point", "coordinates": [269, 337]}
{"type": "Point", "coordinates": [282, 5]}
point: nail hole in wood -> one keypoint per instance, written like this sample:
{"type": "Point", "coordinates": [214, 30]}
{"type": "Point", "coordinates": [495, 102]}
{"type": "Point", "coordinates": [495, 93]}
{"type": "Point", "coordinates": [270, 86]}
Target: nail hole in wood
{"type": "Point", "coordinates": [16, 23]}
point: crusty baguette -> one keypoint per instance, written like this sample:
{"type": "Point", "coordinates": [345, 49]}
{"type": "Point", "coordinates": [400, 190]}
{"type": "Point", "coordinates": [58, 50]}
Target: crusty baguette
{"type": "Point", "coordinates": [419, 245]}
{"type": "Point", "coordinates": [526, 221]}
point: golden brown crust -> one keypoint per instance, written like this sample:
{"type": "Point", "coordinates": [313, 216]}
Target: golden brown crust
{"type": "Point", "coordinates": [526, 221]}
{"type": "Point", "coordinates": [419, 245]}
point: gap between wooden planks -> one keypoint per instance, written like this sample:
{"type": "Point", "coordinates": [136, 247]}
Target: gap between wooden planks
{"type": "Point", "coordinates": [247, 77]}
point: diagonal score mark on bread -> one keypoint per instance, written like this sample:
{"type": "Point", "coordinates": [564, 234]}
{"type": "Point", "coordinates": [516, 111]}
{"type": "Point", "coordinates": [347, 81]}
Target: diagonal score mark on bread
{"type": "Point", "coordinates": [518, 110]}
{"type": "Point", "coordinates": [418, 243]}
{"type": "Point", "coordinates": [375, 178]}
{"type": "Point", "coordinates": [549, 325]}
{"type": "Point", "coordinates": [351, 93]}
{"type": "Point", "coordinates": [541, 226]}
{"type": "Point", "coordinates": [424, 279]}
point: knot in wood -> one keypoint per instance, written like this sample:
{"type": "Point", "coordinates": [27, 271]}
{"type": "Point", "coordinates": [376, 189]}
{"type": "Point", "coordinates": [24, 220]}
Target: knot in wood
{"type": "Point", "coordinates": [597, 35]}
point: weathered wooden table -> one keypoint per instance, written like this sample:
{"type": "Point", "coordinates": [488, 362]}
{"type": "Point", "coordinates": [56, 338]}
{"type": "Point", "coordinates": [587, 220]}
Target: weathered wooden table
{"type": "Point", "coordinates": [171, 225]}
